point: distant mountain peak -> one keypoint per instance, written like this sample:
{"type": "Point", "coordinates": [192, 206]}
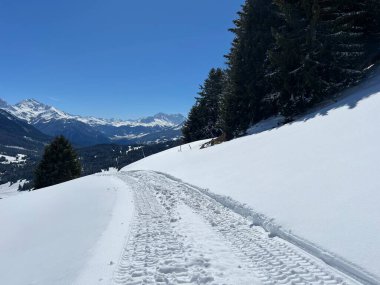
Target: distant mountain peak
{"type": "Point", "coordinates": [88, 130]}
{"type": "Point", "coordinates": [29, 102]}
{"type": "Point", "coordinates": [169, 119]}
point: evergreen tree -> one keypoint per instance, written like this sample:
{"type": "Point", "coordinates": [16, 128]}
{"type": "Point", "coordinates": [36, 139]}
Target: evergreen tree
{"type": "Point", "coordinates": [319, 51]}
{"type": "Point", "coordinates": [59, 164]}
{"type": "Point", "coordinates": [203, 118]}
{"type": "Point", "coordinates": [343, 25]}
{"type": "Point", "coordinates": [373, 30]}
{"type": "Point", "coordinates": [288, 55]}
{"type": "Point", "coordinates": [294, 58]}
{"type": "Point", "coordinates": [244, 102]}
{"type": "Point", "coordinates": [192, 129]}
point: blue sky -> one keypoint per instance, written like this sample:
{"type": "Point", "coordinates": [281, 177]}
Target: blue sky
{"type": "Point", "coordinates": [112, 58]}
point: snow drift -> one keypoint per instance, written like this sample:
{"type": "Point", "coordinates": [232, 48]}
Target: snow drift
{"type": "Point", "coordinates": [316, 177]}
{"type": "Point", "coordinates": [70, 233]}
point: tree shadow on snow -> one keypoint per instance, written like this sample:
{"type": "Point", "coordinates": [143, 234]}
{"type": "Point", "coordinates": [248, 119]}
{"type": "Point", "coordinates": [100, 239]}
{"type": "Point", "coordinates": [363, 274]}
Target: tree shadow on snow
{"type": "Point", "coordinates": [348, 98]}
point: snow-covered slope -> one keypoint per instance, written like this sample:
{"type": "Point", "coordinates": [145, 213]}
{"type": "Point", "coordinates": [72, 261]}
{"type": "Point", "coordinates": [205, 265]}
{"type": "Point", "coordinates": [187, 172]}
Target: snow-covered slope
{"type": "Point", "coordinates": [71, 233]}
{"type": "Point", "coordinates": [318, 177]}
{"type": "Point", "coordinates": [8, 189]}
{"type": "Point", "coordinates": [142, 227]}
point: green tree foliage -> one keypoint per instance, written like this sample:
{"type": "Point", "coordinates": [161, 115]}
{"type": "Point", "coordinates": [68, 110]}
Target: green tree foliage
{"type": "Point", "coordinates": [373, 29]}
{"type": "Point", "coordinates": [319, 50]}
{"type": "Point", "coordinates": [288, 55]}
{"type": "Point", "coordinates": [244, 100]}
{"type": "Point", "coordinates": [294, 58]}
{"type": "Point", "coordinates": [59, 164]}
{"type": "Point", "coordinates": [203, 118]}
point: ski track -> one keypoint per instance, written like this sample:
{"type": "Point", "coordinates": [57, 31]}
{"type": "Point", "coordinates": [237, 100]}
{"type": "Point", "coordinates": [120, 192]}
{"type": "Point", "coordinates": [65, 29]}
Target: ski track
{"type": "Point", "coordinates": [157, 251]}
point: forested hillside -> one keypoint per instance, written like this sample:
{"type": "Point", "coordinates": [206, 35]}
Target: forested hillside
{"type": "Point", "coordinates": [286, 57]}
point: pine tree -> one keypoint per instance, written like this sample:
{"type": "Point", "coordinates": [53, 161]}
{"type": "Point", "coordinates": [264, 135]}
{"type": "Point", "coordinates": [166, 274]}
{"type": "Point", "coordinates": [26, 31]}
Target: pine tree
{"type": "Point", "coordinates": [343, 25]}
{"type": "Point", "coordinates": [192, 129]}
{"type": "Point", "coordinates": [294, 59]}
{"type": "Point", "coordinates": [244, 102]}
{"type": "Point", "coordinates": [319, 51]}
{"type": "Point", "coordinates": [373, 30]}
{"type": "Point", "coordinates": [203, 118]}
{"type": "Point", "coordinates": [59, 164]}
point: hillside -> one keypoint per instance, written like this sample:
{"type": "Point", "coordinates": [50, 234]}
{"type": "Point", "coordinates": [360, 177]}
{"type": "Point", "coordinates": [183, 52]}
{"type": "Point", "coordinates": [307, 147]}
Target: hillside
{"type": "Point", "coordinates": [15, 132]}
{"type": "Point", "coordinates": [310, 194]}
{"type": "Point", "coordinates": [314, 181]}
{"type": "Point", "coordinates": [50, 236]}
{"type": "Point", "coordinates": [142, 227]}
{"type": "Point", "coordinates": [21, 146]}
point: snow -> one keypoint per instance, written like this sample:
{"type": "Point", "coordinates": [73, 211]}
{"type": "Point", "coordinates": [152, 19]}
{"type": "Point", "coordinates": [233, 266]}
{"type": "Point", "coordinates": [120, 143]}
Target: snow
{"type": "Point", "coordinates": [296, 204]}
{"type": "Point", "coordinates": [19, 158]}
{"type": "Point", "coordinates": [15, 147]}
{"type": "Point", "coordinates": [316, 179]}
{"type": "Point", "coordinates": [9, 189]}
{"type": "Point", "coordinates": [181, 235]}
{"type": "Point", "coordinates": [70, 233]}
{"type": "Point", "coordinates": [129, 136]}
{"type": "Point", "coordinates": [143, 227]}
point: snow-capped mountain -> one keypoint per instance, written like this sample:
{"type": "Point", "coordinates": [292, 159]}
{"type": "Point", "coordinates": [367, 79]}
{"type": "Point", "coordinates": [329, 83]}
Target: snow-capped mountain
{"type": "Point", "coordinates": [91, 130]}
{"type": "Point", "coordinates": [17, 134]}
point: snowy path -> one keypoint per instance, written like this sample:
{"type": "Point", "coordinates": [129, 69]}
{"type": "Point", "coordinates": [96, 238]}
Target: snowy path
{"type": "Point", "coordinates": [181, 236]}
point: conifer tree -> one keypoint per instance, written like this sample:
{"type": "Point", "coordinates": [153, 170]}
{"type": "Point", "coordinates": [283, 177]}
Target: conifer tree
{"type": "Point", "coordinates": [59, 164]}
{"type": "Point", "coordinates": [373, 30]}
{"type": "Point", "coordinates": [319, 51]}
{"type": "Point", "coordinates": [192, 129]}
{"type": "Point", "coordinates": [294, 59]}
{"type": "Point", "coordinates": [203, 118]}
{"type": "Point", "coordinates": [344, 25]}
{"type": "Point", "coordinates": [244, 102]}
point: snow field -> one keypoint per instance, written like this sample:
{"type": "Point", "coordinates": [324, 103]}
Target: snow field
{"type": "Point", "coordinates": [316, 178]}
{"type": "Point", "coordinates": [9, 190]}
{"type": "Point", "coordinates": [20, 158]}
{"type": "Point", "coordinates": [65, 234]}
{"type": "Point", "coordinates": [181, 236]}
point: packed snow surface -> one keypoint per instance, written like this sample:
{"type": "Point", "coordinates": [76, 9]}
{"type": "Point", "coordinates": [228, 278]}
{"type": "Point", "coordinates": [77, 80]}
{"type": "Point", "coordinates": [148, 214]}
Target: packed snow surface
{"type": "Point", "coordinates": [318, 177]}
{"type": "Point", "coordinates": [143, 227]}
{"type": "Point", "coordinates": [71, 233]}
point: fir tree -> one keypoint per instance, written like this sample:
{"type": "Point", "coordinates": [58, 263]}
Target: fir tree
{"type": "Point", "coordinates": [373, 30]}
{"type": "Point", "coordinates": [319, 51]}
{"type": "Point", "coordinates": [203, 118]}
{"type": "Point", "coordinates": [343, 25]}
{"type": "Point", "coordinates": [294, 58]}
{"type": "Point", "coordinates": [244, 102]}
{"type": "Point", "coordinates": [192, 129]}
{"type": "Point", "coordinates": [59, 164]}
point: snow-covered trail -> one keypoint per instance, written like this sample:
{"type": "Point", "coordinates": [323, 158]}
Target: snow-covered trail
{"type": "Point", "coordinates": [179, 235]}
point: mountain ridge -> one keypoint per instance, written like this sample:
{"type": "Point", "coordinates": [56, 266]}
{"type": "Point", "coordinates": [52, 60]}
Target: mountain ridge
{"type": "Point", "coordinates": [90, 130]}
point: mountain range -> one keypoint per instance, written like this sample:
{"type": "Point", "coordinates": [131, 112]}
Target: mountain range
{"type": "Point", "coordinates": [87, 131]}
{"type": "Point", "coordinates": [18, 134]}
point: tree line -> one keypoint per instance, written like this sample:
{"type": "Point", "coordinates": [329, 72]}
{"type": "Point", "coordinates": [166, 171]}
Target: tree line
{"type": "Point", "coordinates": [286, 57]}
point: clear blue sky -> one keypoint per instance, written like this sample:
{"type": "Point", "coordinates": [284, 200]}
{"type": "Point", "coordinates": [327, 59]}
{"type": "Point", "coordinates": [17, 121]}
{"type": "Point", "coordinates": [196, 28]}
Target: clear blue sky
{"type": "Point", "coordinates": [112, 58]}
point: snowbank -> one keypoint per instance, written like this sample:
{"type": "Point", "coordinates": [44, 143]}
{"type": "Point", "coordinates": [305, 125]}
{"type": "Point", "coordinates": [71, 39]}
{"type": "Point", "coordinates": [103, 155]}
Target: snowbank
{"type": "Point", "coordinates": [71, 233]}
{"type": "Point", "coordinates": [9, 189]}
{"type": "Point", "coordinates": [317, 177]}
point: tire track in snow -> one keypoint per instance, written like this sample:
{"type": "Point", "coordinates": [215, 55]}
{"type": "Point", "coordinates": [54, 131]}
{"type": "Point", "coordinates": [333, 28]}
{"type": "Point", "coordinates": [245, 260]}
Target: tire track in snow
{"type": "Point", "coordinates": [159, 250]}
{"type": "Point", "coordinates": [157, 253]}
